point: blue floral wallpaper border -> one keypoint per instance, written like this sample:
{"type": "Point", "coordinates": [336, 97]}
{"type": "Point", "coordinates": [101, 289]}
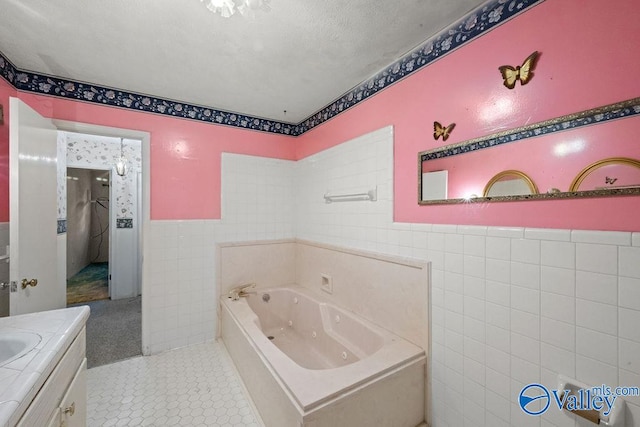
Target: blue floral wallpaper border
{"type": "Point", "coordinates": [602, 114]}
{"type": "Point", "coordinates": [468, 28]}
{"type": "Point", "coordinates": [7, 70]}
{"type": "Point", "coordinates": [62, 226]}
{"type": "Point", "coordinates": [124, 223]}
{"type": "Point", "coordinates": [120, 223]}
{"type": "Point", "coordinates": [482, 19]}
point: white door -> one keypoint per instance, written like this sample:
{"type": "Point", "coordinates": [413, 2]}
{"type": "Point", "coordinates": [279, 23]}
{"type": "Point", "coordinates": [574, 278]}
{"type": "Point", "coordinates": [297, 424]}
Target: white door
{"type": "Point", "coordinates": [33, 212]}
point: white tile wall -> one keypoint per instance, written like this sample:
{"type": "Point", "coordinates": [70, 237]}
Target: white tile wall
{"type": "Point", "coordinates": [629, 292]}
{"type": "Point", "coordinates": [353, 167]}
{"type": "Point", "coordinates": [509, 305]}
{"type": "Point", "coordinates": [551, 306]}
{"type": "Point", "coordinates": [258, 200]}
{"type": "Point", "coordinates": [179, 299]}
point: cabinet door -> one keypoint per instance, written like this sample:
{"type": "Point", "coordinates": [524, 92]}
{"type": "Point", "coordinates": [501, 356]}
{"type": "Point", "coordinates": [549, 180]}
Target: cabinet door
{"type": "Point", "coordinates": [55, 419]}
{"type": "Point", "coordinates": [74, 402]}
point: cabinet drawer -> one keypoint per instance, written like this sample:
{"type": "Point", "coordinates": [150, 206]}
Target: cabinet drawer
{"type": "Point", "coordinates": [48, 399]}
{"type": "Point", "coordinates": [73, 408]}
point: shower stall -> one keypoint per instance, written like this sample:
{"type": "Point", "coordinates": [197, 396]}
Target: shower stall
{"type": "Point", "coordinates": [88, 225]}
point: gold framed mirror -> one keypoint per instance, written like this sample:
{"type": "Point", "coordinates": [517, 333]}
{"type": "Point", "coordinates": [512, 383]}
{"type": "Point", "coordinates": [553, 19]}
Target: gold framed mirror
{"type": "Point", "coordinates": [510, 183]}
{"type": "Point", "coordinates": [616, 165]}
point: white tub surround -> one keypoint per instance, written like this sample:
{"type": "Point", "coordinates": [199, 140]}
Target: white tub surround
{"type": "Point", "coordinates": [268, 263]}
{"type": "Point", "coordinates": [391, 292]}
{"type": "Point", "coordinates": [373, 376]}
{"type": "Point", "coordinates": [61, 333]}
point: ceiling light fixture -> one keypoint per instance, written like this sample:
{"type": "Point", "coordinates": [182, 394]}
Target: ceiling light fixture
{"type": "Point", "coordinates": [121, 164]}
{"type": "Point", "coordinates": [226, 8]}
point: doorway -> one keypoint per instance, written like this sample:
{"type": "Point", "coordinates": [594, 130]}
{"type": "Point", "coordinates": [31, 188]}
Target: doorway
{"type": "Point", "coordinates": [40, 146]}
{"type": "Point", "coordinates": [102, 251]}
{"type": "Point", "coordinates": [88, 234]}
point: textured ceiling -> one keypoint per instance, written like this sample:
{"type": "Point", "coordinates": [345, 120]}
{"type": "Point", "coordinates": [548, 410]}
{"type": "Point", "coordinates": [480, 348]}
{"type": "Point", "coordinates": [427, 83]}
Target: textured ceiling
{"type": "Point", "coordinates": [298, 57]}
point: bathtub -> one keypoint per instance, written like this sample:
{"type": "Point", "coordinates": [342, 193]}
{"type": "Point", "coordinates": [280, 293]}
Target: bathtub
{"type": "Point", "coordinates": [306, 362]}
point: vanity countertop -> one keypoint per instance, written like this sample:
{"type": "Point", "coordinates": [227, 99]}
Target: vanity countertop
{"type": "Point", "coordinates": [21, 379]}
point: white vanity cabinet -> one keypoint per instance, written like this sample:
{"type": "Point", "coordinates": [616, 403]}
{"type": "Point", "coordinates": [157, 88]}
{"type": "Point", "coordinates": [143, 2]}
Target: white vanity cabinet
{"type": "Point", "coordinates": [62, 400]}
{"type": "Point", "coordinates": [44, 384]}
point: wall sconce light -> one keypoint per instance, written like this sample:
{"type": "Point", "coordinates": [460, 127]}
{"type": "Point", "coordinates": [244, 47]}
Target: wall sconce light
{"type": "Point", "coordinates": [121, 164]}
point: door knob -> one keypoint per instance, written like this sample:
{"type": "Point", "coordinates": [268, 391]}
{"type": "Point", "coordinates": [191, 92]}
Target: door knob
{"type": "Point", "coordinates": [32, 282]}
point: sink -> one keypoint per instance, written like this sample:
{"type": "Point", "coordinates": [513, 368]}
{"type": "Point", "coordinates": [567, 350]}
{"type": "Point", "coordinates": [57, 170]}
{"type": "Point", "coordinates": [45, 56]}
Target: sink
{"type": "Point", "coordinates": [14, 345]}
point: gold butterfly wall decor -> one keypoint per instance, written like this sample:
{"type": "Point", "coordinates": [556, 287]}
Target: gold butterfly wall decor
{"type": "Point", "coordinates": [441, 131]}
{"type": "Point", "coordinates": [523, 73]}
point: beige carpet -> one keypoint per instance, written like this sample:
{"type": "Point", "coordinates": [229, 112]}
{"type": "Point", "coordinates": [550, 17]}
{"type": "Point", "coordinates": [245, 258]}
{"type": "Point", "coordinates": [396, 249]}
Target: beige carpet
{"type": "Point", "coordinates": [114, 330]}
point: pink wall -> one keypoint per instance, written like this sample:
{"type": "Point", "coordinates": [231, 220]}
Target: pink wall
{"type": "Point", "coordinates": [6, 90]}
{"type": "Point", "coordinates": [583, 63]}
{"type": "Point", "coordinates": [185, 155]}
{"type": "Point", "coordinates": [583, 50]}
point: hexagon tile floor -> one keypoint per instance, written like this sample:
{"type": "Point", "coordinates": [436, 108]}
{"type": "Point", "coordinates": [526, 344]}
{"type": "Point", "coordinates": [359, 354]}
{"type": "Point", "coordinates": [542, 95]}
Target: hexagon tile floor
{"type": "Point", "coordinates": [191, 386]}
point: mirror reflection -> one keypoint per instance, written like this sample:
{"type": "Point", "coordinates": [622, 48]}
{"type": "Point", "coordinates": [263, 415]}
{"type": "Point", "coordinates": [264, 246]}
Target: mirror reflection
{"type": "Point", "coordinates": [510, 183]}
{"type": "Point", "coordinates": [620, 172]}
{"type": "Point", "coordinates": [559, 158]}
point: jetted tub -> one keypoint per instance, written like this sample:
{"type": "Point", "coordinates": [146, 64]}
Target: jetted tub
{"type": "Point", "coordinates": [306, 362]}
